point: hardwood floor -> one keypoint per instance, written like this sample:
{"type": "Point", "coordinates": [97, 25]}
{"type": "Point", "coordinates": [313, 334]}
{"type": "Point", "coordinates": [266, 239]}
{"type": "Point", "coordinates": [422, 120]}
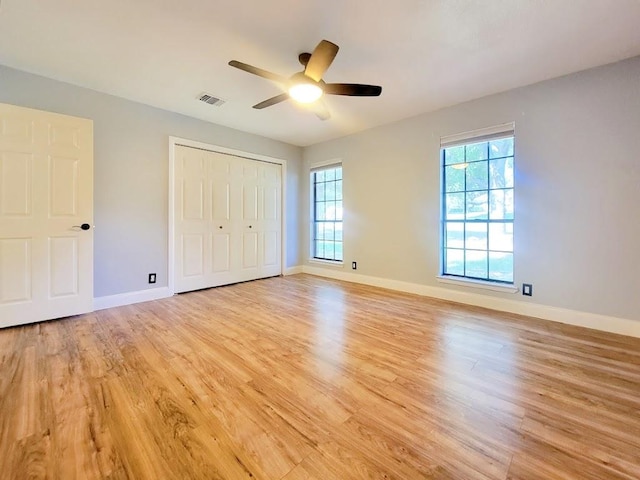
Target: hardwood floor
{"type": "Point", "coordinates": [302, 378]}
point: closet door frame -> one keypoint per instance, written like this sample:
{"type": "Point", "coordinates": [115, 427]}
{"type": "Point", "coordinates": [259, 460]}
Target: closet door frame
{"type": "Point", "coordinates": [176, 141]}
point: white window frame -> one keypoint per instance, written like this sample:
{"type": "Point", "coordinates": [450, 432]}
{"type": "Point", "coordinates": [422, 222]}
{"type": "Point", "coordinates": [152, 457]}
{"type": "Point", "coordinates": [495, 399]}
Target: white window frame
{"type": "Point", "coordinates": [325, 165]}
{"type": "Point", "coordinates": [465, 138]}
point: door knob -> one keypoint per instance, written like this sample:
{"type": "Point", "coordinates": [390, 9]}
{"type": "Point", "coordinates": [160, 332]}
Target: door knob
{"type": "Point", "coordinates": [84, 226]}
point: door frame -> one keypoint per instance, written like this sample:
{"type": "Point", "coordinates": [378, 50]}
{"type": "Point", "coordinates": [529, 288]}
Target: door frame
{"type": "Point", "coordinates": [177, 141]}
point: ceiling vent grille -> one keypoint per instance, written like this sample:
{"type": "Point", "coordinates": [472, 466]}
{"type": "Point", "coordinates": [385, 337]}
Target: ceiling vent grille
{"type": "Point", "coordinates": [210, 99]}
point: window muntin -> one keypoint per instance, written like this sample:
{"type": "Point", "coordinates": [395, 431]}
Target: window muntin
{"type": "Point", "coordinates": [327, 213]}
{"type": "Point", "coordinates": [478, 209]}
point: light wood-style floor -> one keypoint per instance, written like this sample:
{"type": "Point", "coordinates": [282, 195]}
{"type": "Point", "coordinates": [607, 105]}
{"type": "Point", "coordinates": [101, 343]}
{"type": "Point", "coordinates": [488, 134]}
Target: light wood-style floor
{"type": "Point", "coordinates": [306, 378]}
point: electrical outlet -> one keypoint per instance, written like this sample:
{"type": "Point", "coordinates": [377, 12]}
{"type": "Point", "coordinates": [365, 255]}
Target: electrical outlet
{"type": "Point", "coordinates": [527, 289]}
{"type": "Point", "coordinates": [354, 265]}
{"type": "Point", "coordinates": [152, 278]}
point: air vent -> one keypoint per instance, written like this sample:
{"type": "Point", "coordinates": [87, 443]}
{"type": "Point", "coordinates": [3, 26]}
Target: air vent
{"type": "Point", "coordinates": [210, 99]}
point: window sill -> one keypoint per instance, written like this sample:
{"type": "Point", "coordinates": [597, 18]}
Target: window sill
{"type": "Point", "coordinates": [327, 263]}
{"type": "Point", "coordinates": [496, 287]}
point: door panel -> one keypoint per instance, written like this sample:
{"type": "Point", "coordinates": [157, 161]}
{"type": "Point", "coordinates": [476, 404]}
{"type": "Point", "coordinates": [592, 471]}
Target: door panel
{"type": "Point", "coordinates": [63, 185]}
{"type": "Point", "coordinates": [15, 183]}
{"type": "Point", "coordinates": [223, 252]}
{"type": "Point", "coordinates": [193, 255]}
{"type": "Point", "coordinates": [250, 202]}
{"type": "Point", "coordinates": [15, 270]}
{"type": "Point", "coordinates": [250, 169]}
{"type": "Point", "coordinates": [193, 200]}
{"type": "Point", "coordinates": [221, 200]}
{"type": "Point", "coordinates": [221, 256]}
{"type": "Point", "coordinates": [249, 250]}
{"type": "Point", "coordinates": [193, 188]}
{"type": "Point", "coordinates": [271, 194]}
{"type": "Point", "coordinates": [64, 136]}
{"type": "Point", "coordinates": [63, 272]}
{"type": "Point", "coordinates": [16, 128]}
{"type": "Point", "coordinates": [271, 242]}
{"type": "Point", "coordinates": [271, 226]}
{"type": "Point", "coordinates": [46, 192]}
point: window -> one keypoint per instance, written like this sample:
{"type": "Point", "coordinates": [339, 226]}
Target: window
{"type": "Point", "coordinates": [478, 206]}
{"type": "Point", "coordinates": [326, 194]}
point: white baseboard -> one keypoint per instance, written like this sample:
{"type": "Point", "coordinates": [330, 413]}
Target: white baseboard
{"type": "Point", "coordinates": [293, 270]}
{"type": "Point", "coordinates": [622, 326]}
{"type": "Point", "coordinates": [100, 303]}
{"type": "Point", "coordinates": [129, 298]}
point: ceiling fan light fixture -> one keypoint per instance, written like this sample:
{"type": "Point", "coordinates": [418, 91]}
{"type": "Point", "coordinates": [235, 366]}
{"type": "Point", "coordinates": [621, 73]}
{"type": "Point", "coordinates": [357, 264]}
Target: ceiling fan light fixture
{"type": "Point", "coordinates": [307, 87]}
{"type": "Point", "coordinates": [305, 92]}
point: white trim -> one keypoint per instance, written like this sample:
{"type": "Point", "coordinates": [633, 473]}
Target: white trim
{"type": "Point", "coordinates": [173, 142]}
{"type": "Point", "coordinates": [314, 167]}
{"type": "Point", "coordinates": [220, 149]}
{"type": "Point", "coordinates": [505, 129]}
{"type": "Point", "coordinates": [327, 263]}
{"type": "Point", "coordinates": [283, 216]}
{"type": "Point", "coordinates": [110, 301]}
{"type": "Point", "coordinates": [293, 270]}
{"type": "Point", "coordinates": [621, 326]}
{"type": "Point", "coordinates": [325, 163]}
{"type": "Point", "coordinates": [468, 282]}
{"type": "Point", "coordinates": [171, 233]}
{"type": "Point", "coordinates": [482, 134]}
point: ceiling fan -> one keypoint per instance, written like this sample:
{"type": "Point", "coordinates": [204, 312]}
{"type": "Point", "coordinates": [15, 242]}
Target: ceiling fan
{"type": "Point", "coordinates": [307, 87]}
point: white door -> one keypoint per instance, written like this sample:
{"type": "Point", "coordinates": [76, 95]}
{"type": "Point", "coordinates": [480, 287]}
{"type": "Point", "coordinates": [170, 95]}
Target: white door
{"type": "Point", "coordinates": [246, 221]}
{"type": "Point", "coordinates": [227, 214]}
{"type": "Point", "coordinates": [46, 195]}
{"type": "Point", "coordinates": [269, 221]}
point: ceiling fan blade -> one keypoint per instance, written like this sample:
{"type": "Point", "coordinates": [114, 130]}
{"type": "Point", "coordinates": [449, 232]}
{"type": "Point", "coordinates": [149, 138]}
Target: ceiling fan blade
{"type": "Point", "coordinates": [258, 71]}
{"type": "Point", "coordinates": [320, 109]}
{"type": "Point", "coordinates": [352, 89]}
{"type": "Point", "coordinates": [272, 101]}
{"type": "Point", "coordinates": [321, 59]}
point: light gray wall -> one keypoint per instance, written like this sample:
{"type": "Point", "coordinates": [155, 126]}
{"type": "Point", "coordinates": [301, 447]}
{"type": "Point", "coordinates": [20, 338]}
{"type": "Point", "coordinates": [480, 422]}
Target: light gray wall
{"type": "Point", "coordinates": [577, 193]}
{"type": "Point", "coordinates": [131, 157]}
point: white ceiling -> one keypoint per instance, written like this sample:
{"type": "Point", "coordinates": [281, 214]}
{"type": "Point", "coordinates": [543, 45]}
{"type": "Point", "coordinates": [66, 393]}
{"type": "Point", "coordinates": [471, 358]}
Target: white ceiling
{"type": "Point", "coordinates": [426, 54]}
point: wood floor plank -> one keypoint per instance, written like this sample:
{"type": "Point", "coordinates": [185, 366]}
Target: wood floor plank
{"type": "Point", "coordinates": [301, 378]}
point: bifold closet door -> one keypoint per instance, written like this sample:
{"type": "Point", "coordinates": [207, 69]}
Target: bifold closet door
{"type": "Point", "coordinates": [227, 219]}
